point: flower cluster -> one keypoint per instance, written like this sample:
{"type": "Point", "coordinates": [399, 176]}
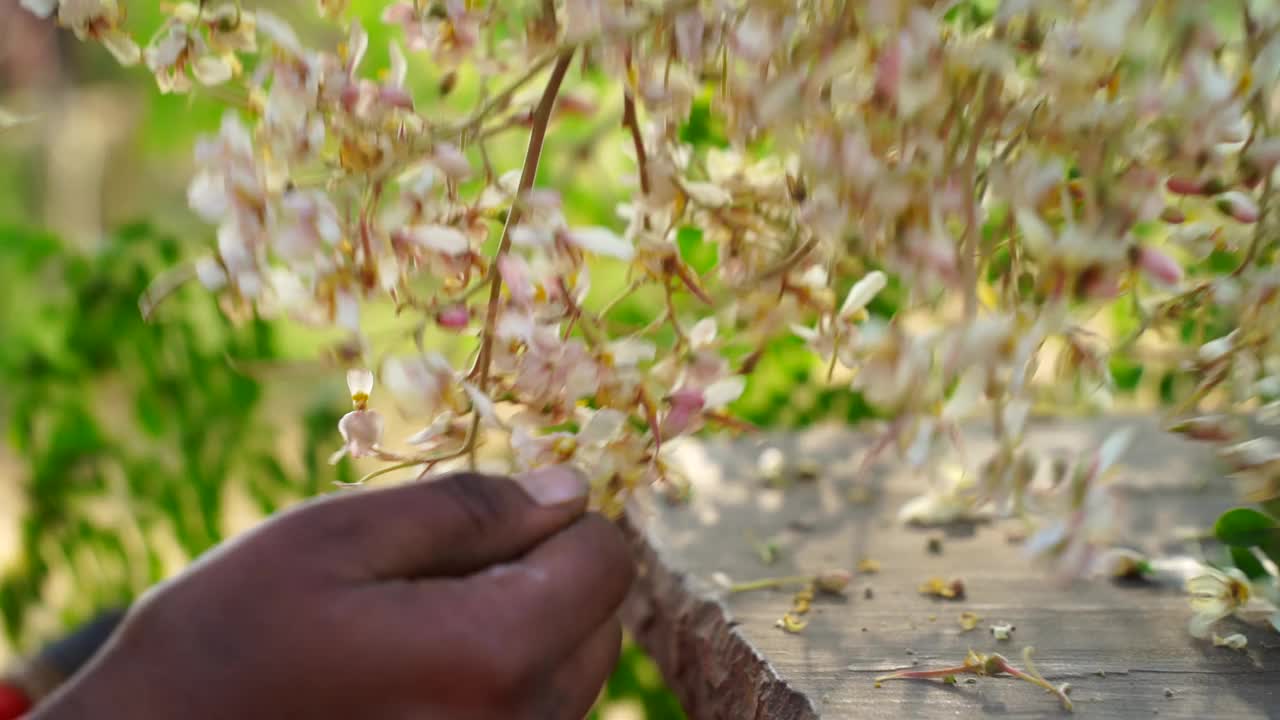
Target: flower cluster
{"type": "Point", "coordinates": [1008, 175]}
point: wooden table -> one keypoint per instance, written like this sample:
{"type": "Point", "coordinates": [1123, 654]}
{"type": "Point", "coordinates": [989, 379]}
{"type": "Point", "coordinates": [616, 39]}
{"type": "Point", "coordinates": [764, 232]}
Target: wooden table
{"type": "Point", "coordinates": [1123, 647]}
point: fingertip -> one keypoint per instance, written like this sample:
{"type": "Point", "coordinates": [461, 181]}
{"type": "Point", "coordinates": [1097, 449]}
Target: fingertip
{"type": "Point", "coordinates": [556, 485]}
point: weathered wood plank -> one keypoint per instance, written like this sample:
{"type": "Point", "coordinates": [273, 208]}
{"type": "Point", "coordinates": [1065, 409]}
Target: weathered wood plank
{"type": "Point", "coordinates": [1123, 648]}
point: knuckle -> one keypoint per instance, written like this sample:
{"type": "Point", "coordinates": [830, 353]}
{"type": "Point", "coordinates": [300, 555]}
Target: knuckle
{"type": "Point", "coordinates": [483, 502]}
{"type": "Point", "coordinates": [314, 522]}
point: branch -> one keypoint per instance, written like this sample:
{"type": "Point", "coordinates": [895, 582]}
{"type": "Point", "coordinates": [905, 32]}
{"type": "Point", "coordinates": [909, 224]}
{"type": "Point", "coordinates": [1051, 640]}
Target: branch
{"type": "Point", "coordinates": [629, 120]}
{"type": "Point", "coordinates": [541, 118]}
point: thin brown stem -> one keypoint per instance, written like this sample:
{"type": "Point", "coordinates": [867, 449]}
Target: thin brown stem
{"type": "Point", "coordinates": [541, 119]}
{"type": "Point", "coordinates": [968, 241]}
{"type": "Point", "coordinates": [630, 121]}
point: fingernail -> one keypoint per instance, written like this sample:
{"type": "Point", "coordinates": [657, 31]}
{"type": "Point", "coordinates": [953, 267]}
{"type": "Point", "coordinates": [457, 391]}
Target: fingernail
{"type": "Point", "coordinates": [554, 485]}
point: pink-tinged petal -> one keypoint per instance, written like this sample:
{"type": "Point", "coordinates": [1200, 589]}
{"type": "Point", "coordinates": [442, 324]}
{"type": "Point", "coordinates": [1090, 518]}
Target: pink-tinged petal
{"type": "Point", "coordinates": [1100, 286]}
{"type": "Point", "coordinates": [889, 70]}
{"type": "Point", "coordinates": [396, 97]}
{"type": "Point", "coordinates": [686, 406]}
{"type": "Point", "coordinates": [1158, 266]}
{"type": "Point", "coordinates": [455, 317]}
{"type": "Point", "coordinates": [1239, 207]}
{"type": "Point", "coordinates": [689, 30]}
{"type": "Point", "coordinates": [361, 432]}
{"type": "Point", "coordinates": [1265, 155]}
{"type": "Point", "coordinates": [452, 161]}
{"type": "Point", "coordinates": [350, 97]}
{"type": "Point", "coordinates": [515, 274]}
{"type": "Point", "coordinates": [442, 239]}
{"type": "Point", "coordinates": [1192, 186]}
{"type": "Point", "coordinates": [401, 13]}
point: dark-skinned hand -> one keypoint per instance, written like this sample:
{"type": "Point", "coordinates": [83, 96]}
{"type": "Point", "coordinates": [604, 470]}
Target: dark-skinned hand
{"type": "Point", "coordinates": [470, 597]}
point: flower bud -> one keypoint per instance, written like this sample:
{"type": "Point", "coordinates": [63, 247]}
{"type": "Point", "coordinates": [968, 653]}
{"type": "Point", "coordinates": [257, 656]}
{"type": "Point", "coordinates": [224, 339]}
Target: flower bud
{"type": "Point", "coordinates": [1189, 186]}
{"type": "Point", "coordinates": [1209, 428]}
{"type": "Point", "coordinates": [1158, 266]}
{"type": "Point", "coordinates": [1239, 207]}
{"type": "Point", "coordinates": [1173, 215]}
{"type": "Point", "coordinates": [454, 317]}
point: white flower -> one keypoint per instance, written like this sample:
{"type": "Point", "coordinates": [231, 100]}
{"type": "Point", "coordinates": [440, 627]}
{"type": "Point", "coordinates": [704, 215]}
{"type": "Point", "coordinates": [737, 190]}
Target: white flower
{"type": "Point", "coordinates": [1215, 595]}
{"type": "Point", "coordinates": [360, 384]}
{"type": "Point", "coordinates": [361, 434]}
{"type": "Point", "coordinates": [210, 273]}
{"type": "Point", "coordinates": [422, 385]}
{"type": "Point", "coordinates": [862, 293]}
{"type": "Point", "coordinates": [703, 333]}
{"type": "Point", "coordinates": [601, 241]}
{"type": "Point", "coordinates": [441, 238]}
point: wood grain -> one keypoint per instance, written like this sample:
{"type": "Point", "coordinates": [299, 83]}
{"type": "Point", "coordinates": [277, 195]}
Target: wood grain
{"type": "Point", "coordinates": [1123, 647]}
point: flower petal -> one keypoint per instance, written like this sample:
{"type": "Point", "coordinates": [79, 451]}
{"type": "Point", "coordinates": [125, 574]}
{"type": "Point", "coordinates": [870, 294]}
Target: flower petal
{"type": "Point", "coordinates": [603, 426]}
{"type": "Point", "coordinates": [862, 293]}
{"type": "Point", "coordinates": [602, 241]}
{"type": "Point", "coordinates": [721, 393]}
{"type": "Point", "coordinates": [441, 238]}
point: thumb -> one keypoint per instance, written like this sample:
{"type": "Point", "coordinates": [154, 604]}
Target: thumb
{"type": "Point", "coordinates": [450, 526]}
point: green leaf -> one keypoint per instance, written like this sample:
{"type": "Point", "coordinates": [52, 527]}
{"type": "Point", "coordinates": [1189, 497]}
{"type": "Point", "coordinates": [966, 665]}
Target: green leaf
{"type": "Point", "coordinates": [702, 129]}
{"type": "Point", "coordinates": [1247, 562]}
{"type": "Point", "coordinates": [149, 412]}
{"type": "Point", "coordinates": [1168, 388]}
{"type": "Point", "coordinates": [700, 255]}
{"type": "Point", "coordinates": [1125, 373]}
{"type": "Point", "coordinates": [1222, 261]}
{"type": "Point", "coordinates": [1245, 527]}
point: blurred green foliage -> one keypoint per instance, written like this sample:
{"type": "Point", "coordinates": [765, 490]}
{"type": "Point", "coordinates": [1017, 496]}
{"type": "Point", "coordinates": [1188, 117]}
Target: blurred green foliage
{"type": "Point", "coordinates": [129, 433]}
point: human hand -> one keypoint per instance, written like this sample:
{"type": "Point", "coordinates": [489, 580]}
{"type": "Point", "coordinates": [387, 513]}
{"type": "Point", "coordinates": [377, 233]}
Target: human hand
{"type": "Point", "coordinates": [469, 597]}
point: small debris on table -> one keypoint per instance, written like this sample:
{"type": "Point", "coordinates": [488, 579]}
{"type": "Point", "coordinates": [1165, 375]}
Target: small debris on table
{"type": "Point", "coordinates": [1002, 631]}
{"type": "Point", "coordinates": [1235, 641]}
{"type": "Point", "coordinates": [868, 594]}
{"type": "Point", "coordinates": [767, 551]}
{"type": "Point", "coordinates": [771, 466]}
{"type": "Point", "coordinates": [808, 470]}
{"type": "Point", "coordinates": [969, 621]}
{"type": "Point", "coordinates": [833, 581]}
{"type": "Point", "coordinates": [934, 546]}
{"type": "Point", "coordinates": [860, 494]}
{"type": "Point", "coordinates": [1168, 692]}
{"type": "Point", "coordinates": [791, 623]}
{"type": "Point", "coordinates": [992, 665]}
{"type": "Point", "coordinates": [942, 588]}
{"type": "Point", "coordinates": [867, 566]}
